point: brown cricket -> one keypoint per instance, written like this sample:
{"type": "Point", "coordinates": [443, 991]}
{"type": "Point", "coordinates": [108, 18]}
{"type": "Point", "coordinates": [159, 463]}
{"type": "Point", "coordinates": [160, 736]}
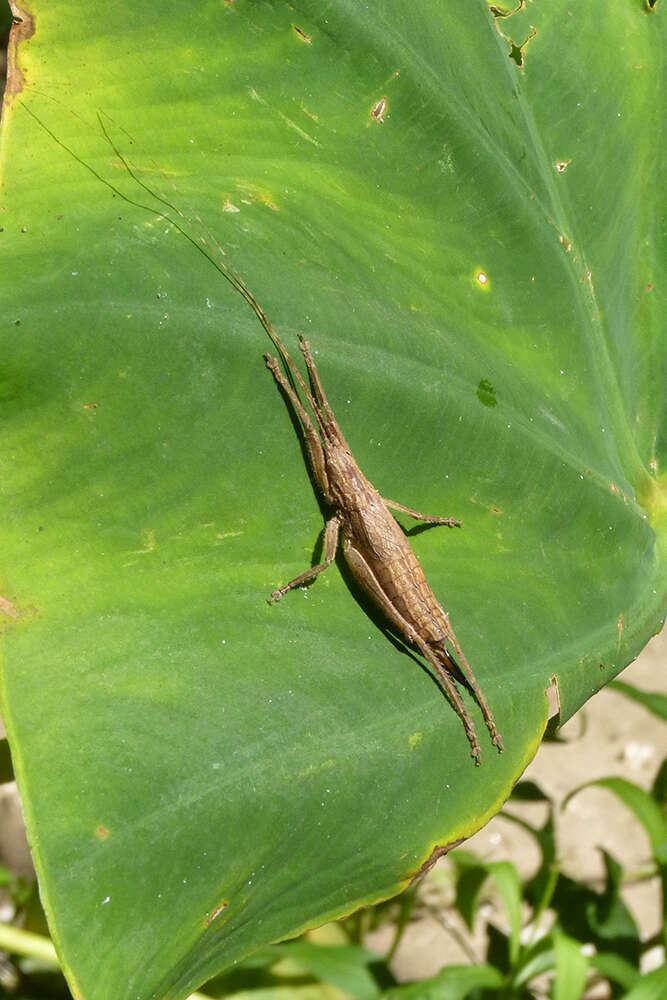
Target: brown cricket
{"type": "Point", "coordinates": [375, 548]}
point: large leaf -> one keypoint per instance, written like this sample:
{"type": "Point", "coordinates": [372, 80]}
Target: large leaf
{"type": "Point", "coordinates": [203, 773]}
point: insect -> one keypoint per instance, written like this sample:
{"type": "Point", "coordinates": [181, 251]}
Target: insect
{"type": "Point", "coordinates": [375, 548]}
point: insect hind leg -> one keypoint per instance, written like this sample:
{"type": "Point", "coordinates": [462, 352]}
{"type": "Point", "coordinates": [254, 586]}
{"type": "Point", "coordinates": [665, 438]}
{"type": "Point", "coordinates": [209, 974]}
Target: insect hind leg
{"type": "Point", "coordinates": [471, 683]}
{"type": "Point", "coordinates": [371, 585]}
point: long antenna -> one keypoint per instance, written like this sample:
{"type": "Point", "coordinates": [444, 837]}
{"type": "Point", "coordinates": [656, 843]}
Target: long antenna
{"type": "Point", "coordinates": [211, 249]}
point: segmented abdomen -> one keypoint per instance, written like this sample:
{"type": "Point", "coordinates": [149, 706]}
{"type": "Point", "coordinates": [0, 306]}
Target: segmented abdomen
{"type": "Point", "coordinates": [389, 555]}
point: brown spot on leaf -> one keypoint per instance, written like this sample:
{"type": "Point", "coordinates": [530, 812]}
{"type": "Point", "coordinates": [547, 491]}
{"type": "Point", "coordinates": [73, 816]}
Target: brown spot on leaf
{"type": "Point", "coordinates": [8, 608]}
{"type": "Point", "coordinates": [102, 832]}
{"type": "Point", "coordinates": [76, 992]}
{"type": "Point", "coordinates": [615, 489]}
{"type": "Point", "coordinates": [438, 852]}
{"type": "Point", "coordinates": [216, 913]}
{"type": "Point", "coordinates": [23, 28]}
{"type": "Point", "coordinates": [302, 34]}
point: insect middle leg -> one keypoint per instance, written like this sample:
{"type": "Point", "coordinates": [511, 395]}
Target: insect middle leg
{"type": "Point", "coordinates": [330, 545]}
{"type": "Point", "coordinates": [452, 522]}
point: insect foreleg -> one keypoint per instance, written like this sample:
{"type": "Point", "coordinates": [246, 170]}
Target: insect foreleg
{"type": "Point", "coordinates": [330, 546]}
{"type": "Point", "coordinates": [452, 522]}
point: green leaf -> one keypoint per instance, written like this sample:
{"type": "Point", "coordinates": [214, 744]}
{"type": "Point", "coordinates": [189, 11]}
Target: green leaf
{"type": "Point", "coordinates": [601, 918]}
{"type": "Point", "coordinates": [344, 966]}
{"type": "Point", "coordinates": [471, 877]}
{"type": "Point", "coordinates": [659, 789]}
{"type": "Point", "coordinates": [571, 967]}
{"type": "Point", "coordinates": [536, 959]}
{"type": "Point", "coordinates": [6, 768]}
{"type": "Point", "coordinates": [642, 804]}
{"type": "Point", "coordinates": [615, 969]}
{"type": "Point", "coordinates": [591, 917]}
{"type": "Point", "coordinates": [508, 886]}
{"type": "Point", "coordinates": [539, 889]}
{"type": "Point", "coordinates": [654, 701]}
{"type": "Point", "coordinates": [201, 773]}
{"type": "Point", "coordinates": [16, 941]}
{"type": "Point", "coordinates": [650, 815]}
{"type": "Point", "coordinates": [608, 917]}
{"type": "Point", "coordinates": [454, 982]}
{"type": "Point", "coordinates": [651, 986]}
{"type": "Point", "coordinates": [473, 874]}
{"type": "Point", "coordinates": [528, 791]}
